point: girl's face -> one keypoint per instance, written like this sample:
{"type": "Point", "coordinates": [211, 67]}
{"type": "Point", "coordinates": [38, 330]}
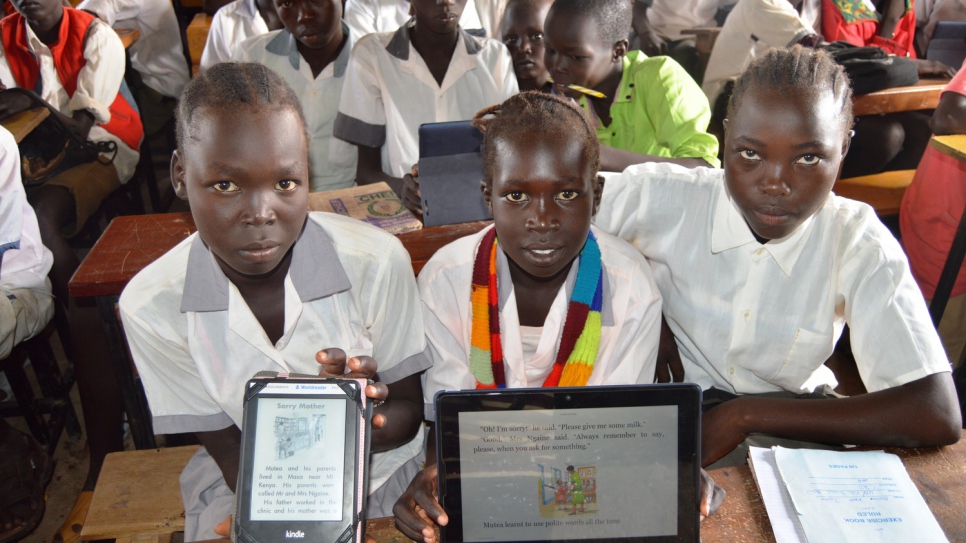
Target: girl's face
{"type": "Point", "coordinates": [575, 53]}
{"type": "Point", "coordinates": [245, 174]}
{"type": "Point", "coordinates": [523, 36]}
{"type": "Point", "coordinates": [782, 154]}
{"type": "Point", "coordinates": [543, 196]}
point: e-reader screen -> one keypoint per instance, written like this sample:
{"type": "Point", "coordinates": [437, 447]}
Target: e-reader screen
{"type": "Point", "coordinates": [587, 468]}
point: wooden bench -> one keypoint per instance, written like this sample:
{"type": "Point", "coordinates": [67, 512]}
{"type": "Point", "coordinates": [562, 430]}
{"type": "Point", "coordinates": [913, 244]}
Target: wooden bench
{"type": "Point", "coordinates": [883, 191]}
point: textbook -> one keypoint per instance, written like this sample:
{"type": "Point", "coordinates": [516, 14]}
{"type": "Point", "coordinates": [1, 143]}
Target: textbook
{"type": "Point", "coordinates": [376, 204]}
{"type": "Point", "coordinates": [819, 496]}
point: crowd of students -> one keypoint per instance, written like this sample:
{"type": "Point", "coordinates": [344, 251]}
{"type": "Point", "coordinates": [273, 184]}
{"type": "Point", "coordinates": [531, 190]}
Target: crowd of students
{"type": "Point", "coordinates": [740, 279]}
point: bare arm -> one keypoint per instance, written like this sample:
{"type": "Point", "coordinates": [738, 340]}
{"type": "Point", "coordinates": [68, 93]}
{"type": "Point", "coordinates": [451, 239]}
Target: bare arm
{"type": "Point", "coordinates": [892, 11]}
{"type": "Point", "coordinates": [950, 116]}
{"type": "Point", "coordinates": [651, 43]}
{"type": "Point", "coordinates": [404, 407]}
{"type": "Point", "coordinates": [224, 446]}
{"type": "Point", "coordinates": [369, 169]}
{"type": "Point", "coordinates": [922, 413]}
{"type": "Point", "coordinates": [617, 160]}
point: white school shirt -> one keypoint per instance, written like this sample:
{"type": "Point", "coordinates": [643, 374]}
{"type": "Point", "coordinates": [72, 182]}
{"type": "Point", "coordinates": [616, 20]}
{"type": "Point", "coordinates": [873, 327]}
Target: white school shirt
{"type": "Point", "coordinates": [232, 24]}
{"type": "Point", "coordinates": [630, 315]}
{"type": "Point", "coordinates": [389, 91]}
{"type": "Point", "coordinates": [669, 17]}
{"type": "Point", "coordinates": [753, 27]}
{"type": "Point", "coordinates": [752, 318]}
{"type": "Point", "coordinates": [97, 85]}
{"type": "Point", "coordinates": [196, 342]}
{"type": "Point", "coordinates": [26, 304]}
{"type": "Point", "coordinates": [332, 161]}
{"type": "Point", "coordinates": [373, 16]}
{"type": "Point", "coordinates": [157, 54]}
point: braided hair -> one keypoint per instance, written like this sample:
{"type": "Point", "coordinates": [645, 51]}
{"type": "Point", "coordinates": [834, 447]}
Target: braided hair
{"type": "Point", "coordinates": [532, 113]}
{"type": "Point", "coordinates": [233, 85]}
{"type": "Point", "coordinates": [792, 71]}
{"type": "Point", "coordinates": [613, 17]}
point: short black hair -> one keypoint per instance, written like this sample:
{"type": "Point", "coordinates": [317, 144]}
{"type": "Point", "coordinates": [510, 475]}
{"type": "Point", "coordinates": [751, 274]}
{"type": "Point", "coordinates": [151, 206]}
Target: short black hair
{"type": "Point", "coordinates": [232, 85]}
{"type": "Point", "coordinates": [534, 112]}
{"type": "Point", "coordinates": [793, 71]}
{"type": "Point", "coordinates": [613, 17]}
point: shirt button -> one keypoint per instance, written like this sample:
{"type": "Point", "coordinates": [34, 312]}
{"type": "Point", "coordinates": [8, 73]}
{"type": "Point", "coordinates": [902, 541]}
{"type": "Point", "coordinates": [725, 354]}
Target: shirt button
{"type": "Point", "coordinates": [746, 314]}
{"type": "Point", "coordinates": [731, 370]}
{"type": "Point", "coordinates": [760, 252]}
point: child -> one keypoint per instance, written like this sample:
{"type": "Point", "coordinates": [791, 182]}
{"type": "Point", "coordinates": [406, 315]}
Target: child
{"type": "Point", "coordinates": [235, 23]}
{"type": "Point", "coordinates": [427, 71]}
{"type": "Point", "coordinates": [375, 16]}
{"type": "Point", "coordinates": [522, 31]}
{"type": "Point", "coordinates": [652, 111]}
{"type": "Point", "coordinates": [157, 55]}
{"type": "Point", "coordinates": [931, 210]}
{"type": "Point", "coordinates": [560, 498]}
{"type": "Point", "coordinates": [775, 266]}
{"type": "Point", "coordinates": [311, 54]}
{"type": "Point", "coordinates": [660, 28]}
{"type": "Point", "coordinates": [577, 496]}
{"type": "Point", "coordinates": [540, 158]}
{"type": "Point", "coordinates": [264, 285]}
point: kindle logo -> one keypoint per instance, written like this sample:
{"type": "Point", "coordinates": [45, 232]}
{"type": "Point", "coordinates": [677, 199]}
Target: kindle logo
{"type": "Point", "coordinates": [296, 535]}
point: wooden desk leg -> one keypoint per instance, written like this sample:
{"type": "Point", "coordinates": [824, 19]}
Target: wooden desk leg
{"type": "Point", "coordinates": [132, 395]}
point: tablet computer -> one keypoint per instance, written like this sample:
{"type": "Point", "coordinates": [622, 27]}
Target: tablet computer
{"type": "Point", "coordinates": [603, 464]}
{"type": "Point", "coordinates": [303, 465]}
{"type": "Point", "coordinates": [450, 171]}
{"type": "Point", "coordinates": [948, 43]}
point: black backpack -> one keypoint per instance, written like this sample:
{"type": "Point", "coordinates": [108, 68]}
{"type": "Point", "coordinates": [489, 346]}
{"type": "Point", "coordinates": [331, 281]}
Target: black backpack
{"type": "Point", "coordinates": [871, 69]}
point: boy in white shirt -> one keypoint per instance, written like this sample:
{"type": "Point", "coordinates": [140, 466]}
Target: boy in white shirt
{"type": "Point", "coordinates": [234, 23]}
{"type": "Point", "coordinates": [372, 16]}
{"type": "Point", "coordinates": [427, 71]}
{"type": "Point", "coordinates": [157, 55]}
{"type": "Point", "coordinates": [311, 54]}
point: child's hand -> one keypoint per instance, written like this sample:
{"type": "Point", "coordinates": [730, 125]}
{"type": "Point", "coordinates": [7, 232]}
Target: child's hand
{"type": "Point", "coordinates": [411, 196]}
{"type": "Point", "coordinates": [711, 496]}
{"type": "Point", "coordinates": [418, 508]}
{"type": "Point", "coordinates": [333, 364]}
{"type": "Point", "coordinates": [933, 67]}
{"type": "Point", "coordinates": [669, 367]}
{"type": "Point", "coordinates": [224, 527]}
{"type": "Point", "coordinates": [13, 103]}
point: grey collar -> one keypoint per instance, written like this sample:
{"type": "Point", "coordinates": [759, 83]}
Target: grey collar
{"type": "Point", "coordinates": [284, 45]}
{"type": "Point", "coordinates": [315, 270]}
{"type": "Point", "coordinates": [399, 45]}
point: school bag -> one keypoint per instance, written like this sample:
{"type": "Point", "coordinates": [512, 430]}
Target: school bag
{"type": "Point", "coordinates": [871, 69]}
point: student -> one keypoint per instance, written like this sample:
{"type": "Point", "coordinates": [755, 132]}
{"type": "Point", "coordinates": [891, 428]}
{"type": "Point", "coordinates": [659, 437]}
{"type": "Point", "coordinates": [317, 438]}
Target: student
{"type": "Point", "coordinates": [522, 32]}
{"type": "Point", "coordinates": [264, 285]}
{"type": "Point", "coordinates": [651, 110]}
{"type": "Point", "coordinates": [774, 266]}
{"type": "Point", "coordinates": [377, 16]}
{"type": "Point", "coordinates": [427, 71]}
{"type": "Point", "coordinates": [540, 183]}
{"type": "Point", "coordinates": [157, 55]}
{"type": "Point", "coordinates": [931, 209]}
{"type": "Point", "coordinates": [235, 23]}
{"type": "Point", "coordinates": [311, 54]}
{"type": "Point", "coordinates": [660, 24]}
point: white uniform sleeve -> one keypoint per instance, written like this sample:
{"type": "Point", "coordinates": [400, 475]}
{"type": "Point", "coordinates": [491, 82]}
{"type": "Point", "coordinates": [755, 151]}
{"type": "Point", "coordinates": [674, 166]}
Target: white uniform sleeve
{"type": "Point", "coordinates": [776, 23]}
{"type": "Point", "coordinates": [362, 113]}
{"type": "Point", "coordinates": [99, 81]}
{"type": "Point", "coordinates": [111, 11]}
{"type": "Point", "coordinates": [216, 46]}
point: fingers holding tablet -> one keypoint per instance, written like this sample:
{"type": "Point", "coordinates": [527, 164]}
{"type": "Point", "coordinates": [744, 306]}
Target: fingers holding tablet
{"type": "Point", "coordinates": [418, 509]}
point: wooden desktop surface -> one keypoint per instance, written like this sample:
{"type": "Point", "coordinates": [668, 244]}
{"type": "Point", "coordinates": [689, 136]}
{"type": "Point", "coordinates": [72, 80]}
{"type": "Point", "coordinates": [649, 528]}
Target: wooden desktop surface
{"type": "Point", "coordinates": [923, 95]}
{"type": "Point", "coordinates": [954, 146]}
{"type": "Point", "coordinates": [130, 243]}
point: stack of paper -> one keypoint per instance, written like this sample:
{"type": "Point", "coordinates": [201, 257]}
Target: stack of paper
{"type": "Point", "coordinates": [827, 496]}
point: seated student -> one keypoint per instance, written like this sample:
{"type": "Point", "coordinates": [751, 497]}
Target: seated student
{"type": "Point", "coordinates": [264, 285]}
{"type": "Point", "coordinates": [376, 16]}
{"type": "Point", "coordinates": [522, 33]}
{"type": "Point", "coordinates": [545, 261]}
{"type": "Point", "coordinates": [659, 25]}
{"type": "Point", "coordinates": [427, 71]}
{"type": "Point", "coordinates": [156, 56]}
{"type": "Point", "coordinates": [311, 54]}
{"type": "Point", "coordinates": [774, 266]}
{"type": "Point", "coordinates": [931, 209]}
{"type": "Point", "coordinates": [235, 23]}
{"type": "Point", "coordinates": [895, 141]}
{"type": "Point", "coordinates": [651, 110]}
{"type": "Point", "coordinates": [26, 306]}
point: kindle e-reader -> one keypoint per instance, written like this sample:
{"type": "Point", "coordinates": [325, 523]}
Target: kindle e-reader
{"type": "Point", "coordinates": [603, 464]}
{"type": "Point", "coordinates": [303, 466]}
{"type": "Point", "coordinates": [450, 171]}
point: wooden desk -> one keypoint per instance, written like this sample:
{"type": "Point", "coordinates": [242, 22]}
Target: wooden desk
{"type": "Point", "coordinates": [131, 243]}
{"type": "Point", "coordinates": [128, 35]}
{"type": "Point", "coordinates": [23, 123]}
{"type": "Point", "coordinates": [923, 95]}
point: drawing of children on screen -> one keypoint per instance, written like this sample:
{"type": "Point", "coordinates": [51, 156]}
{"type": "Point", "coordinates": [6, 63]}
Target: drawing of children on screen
{"type": "Point", "coordinates": [576, 490]}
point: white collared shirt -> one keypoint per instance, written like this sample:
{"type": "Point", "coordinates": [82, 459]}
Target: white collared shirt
{"type": "Point", "coordinates": [98, 84]}
{"type": "Point", "coordinates": [332, 161]}
{"type": "Point", "coordinates": [25, 260]}
{"type": "Point", "coordinates": [196, 342]}
{"type": "Point", "coordinates": [372, 16]}
{"type": "Point", "coordinates": [752, 318]}
{"type": "Point", "coordinates": [389, 91]}
{"type": "Point", "coordinates": [231, 25]}
{"type": "Point", "coordinates": [669, 17]}
{"type": "Point", "coordinates": [630, 315]}
{"type": "Point", "coordinates": [157, 54]}
{"type": "Point", "coordinates": [752, 28]}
